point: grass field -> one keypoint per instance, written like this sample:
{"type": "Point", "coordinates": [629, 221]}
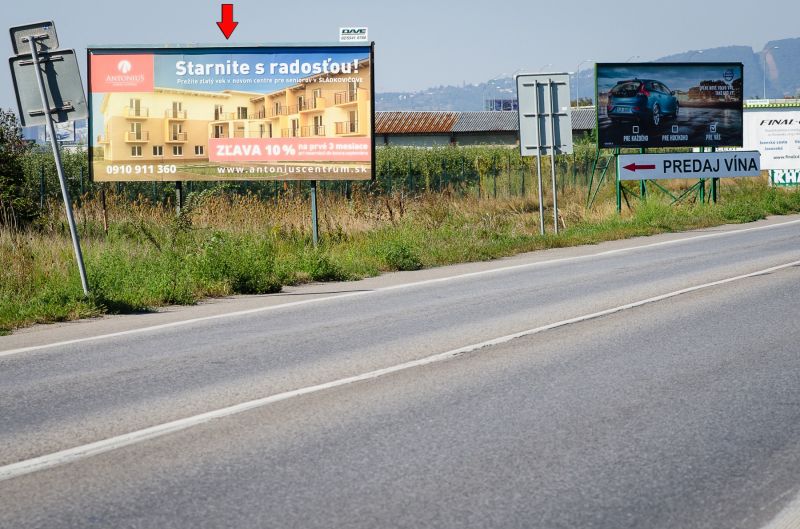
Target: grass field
{"type": "Point", "coordinates": [226, 244]}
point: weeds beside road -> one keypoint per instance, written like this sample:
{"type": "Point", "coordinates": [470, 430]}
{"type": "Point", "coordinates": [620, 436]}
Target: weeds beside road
{"type": "Point", "coordinates": [238, 244]}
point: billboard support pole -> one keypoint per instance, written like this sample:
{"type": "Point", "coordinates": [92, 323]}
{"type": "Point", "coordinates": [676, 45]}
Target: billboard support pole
{"type": "Point", "coordinates": [553, 153]}
{"type": "Point", "coordinates": [618, 184]}
{"type": "Point", "coordinates": [714, 183]}
{"type": "Point", "coordinates": [105, 207]}
{"type": "Point", "coordinates": [643, 183]}
{"type": "Point", "coordinates": [701, 185]}
{"type": "Point", "coordinates": [314, 216]}
{"type": "Point", "coordinates": [76, 243]}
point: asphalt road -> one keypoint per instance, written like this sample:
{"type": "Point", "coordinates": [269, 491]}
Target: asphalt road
{"type": "Point", "coordinates": [681, 412]}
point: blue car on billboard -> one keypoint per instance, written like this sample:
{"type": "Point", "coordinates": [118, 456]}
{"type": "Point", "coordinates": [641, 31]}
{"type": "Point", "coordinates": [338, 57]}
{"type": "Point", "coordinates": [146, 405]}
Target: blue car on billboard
{"type": "Point", "coordinates": [645, 101]}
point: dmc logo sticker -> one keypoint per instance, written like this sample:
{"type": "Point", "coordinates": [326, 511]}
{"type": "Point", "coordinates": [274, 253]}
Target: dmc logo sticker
{"type": "Point", "coordinates": [352, 34]}
{"type": "Point", "coordinates": [728, 75]}
{"type": "Point", "coordinates": [124, 66]}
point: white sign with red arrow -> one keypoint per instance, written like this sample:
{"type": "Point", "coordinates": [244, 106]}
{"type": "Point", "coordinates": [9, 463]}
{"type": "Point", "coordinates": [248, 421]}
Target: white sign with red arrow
{"type": "Point", "coordinates": [689, 165]}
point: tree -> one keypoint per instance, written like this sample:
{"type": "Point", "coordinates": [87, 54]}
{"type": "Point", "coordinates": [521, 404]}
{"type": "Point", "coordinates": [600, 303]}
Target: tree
{"type": "Point", "coordinates": [16, 209]}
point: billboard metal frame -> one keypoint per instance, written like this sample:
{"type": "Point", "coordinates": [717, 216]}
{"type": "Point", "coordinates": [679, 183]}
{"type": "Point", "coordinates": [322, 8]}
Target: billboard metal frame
{"type": "Point", "coordinates": [621, 191]}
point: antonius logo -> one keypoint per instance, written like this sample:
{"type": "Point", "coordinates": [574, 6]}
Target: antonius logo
{"type": "Point", "coordinates": [352, 34]}
{"type": "Point", "coordinates": [125, 76]}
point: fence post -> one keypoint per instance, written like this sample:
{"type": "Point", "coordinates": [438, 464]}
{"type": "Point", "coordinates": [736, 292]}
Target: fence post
{"type": "Point", "coordinates": [178, 196]}
{"type": "Point", "coordinates": [510, 177]}
{"type": "Point", "coordinates": [494, 176]}
{"type": "Point", "coordinates": [41, 186]}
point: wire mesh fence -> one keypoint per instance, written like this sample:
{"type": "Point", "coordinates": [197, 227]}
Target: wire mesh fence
{"type": "Point", "coordinates": [483, 172]}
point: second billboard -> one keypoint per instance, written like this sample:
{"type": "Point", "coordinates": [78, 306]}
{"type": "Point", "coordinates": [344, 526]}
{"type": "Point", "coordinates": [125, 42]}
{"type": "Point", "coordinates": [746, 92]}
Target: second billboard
{"type": "Point", "coordinates": [669, 105]}
{"type": "Point", "coordinates": [236, 113]}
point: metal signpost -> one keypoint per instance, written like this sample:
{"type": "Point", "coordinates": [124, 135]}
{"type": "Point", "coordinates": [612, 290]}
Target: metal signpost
{"type": "Point", "coordinates": [61, 99]}
{"type": "Point", "coordinates": [545, 126]}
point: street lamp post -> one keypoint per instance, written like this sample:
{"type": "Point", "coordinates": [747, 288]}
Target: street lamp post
{"type": "Point", "coordinates": [765, 68]}
{"type": "Point", "coordinates": [578, 81]}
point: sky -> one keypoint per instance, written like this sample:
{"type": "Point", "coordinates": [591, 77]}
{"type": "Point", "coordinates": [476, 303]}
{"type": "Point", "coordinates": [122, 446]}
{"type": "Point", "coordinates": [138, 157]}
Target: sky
{"type": "Point", "coordinates": [424, 43]}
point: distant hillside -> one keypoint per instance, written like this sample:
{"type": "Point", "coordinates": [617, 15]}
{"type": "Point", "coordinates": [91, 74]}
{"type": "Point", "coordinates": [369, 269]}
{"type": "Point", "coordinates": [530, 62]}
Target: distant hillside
{"type": "Point", "coordinates": [458, 98]}
{"type": "Point", "coordinates": [783, 79]}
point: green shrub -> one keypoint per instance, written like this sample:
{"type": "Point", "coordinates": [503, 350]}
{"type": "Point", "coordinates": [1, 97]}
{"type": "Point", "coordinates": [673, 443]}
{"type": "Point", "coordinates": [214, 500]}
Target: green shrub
{"type": "Point", "coordinates": [398, 255]}
{"type": "Point", "coordinates": [245, 264]}
{"type": "Point", "coordinates": [320, 267]}
{"type": "Point", "coordinates": [16, 207]}
{"type": "Point", "coordinates": [140, 278]}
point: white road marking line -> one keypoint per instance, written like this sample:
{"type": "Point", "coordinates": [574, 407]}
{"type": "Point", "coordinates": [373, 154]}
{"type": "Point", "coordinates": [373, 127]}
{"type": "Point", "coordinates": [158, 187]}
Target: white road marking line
{"type": "Point", "coordinates": [99, 447]}
{"type": "Point", "coordinates": [788, 518]}
{"type": "Point", "coordinates": [387, 289]}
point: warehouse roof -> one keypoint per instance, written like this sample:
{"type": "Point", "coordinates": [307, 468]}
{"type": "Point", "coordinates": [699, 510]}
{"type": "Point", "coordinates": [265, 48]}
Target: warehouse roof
{"type": "Point", "coordinates": [487, 121]}
{"type": "Point", "coordinates": [435, 122]}
{"type": "Point", "coordinates": [414, 122]}
{"type": "Point", "coordinates": [584, 118]}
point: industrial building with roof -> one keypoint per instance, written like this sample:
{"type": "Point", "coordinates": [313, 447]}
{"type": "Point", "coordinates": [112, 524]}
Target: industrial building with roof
{"type": "Point", "coordinates": [435, 128]}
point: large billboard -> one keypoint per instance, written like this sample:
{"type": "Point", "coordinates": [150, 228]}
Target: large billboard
{"type": "Point", "coordinates": [776, 133]}
{"type": "Point", "coordinates": [669, 105]}
{"type": "Point", "coordinates": [231, 113]}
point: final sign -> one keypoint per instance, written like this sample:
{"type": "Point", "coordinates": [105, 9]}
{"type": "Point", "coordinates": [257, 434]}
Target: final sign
{"type": "Point", "coordinates": [689, 165]}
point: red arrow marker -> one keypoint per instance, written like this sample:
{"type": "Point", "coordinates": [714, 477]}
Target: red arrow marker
{"type": "Point", "coordinates": [227, 25]}
{"type": "Point", "coordinates": [633, 167]}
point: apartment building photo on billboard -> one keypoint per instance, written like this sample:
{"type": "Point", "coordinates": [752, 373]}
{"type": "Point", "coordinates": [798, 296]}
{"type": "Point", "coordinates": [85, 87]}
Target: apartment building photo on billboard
{"type": "Point", "coordinates": [256, 113]}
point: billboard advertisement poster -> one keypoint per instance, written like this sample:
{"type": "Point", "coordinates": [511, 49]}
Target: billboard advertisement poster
{"type": "Point", "coordinates": [669, 105]}
{"type": "Point", "coordinates": [231, 113]}
{"type": "Point", "coordinates": [776, 133]}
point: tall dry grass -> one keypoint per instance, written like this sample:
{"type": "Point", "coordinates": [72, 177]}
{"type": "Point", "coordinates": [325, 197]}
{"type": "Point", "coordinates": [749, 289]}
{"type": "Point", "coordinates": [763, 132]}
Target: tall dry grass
{"type": "Point", "coordinates": [140, 254]}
